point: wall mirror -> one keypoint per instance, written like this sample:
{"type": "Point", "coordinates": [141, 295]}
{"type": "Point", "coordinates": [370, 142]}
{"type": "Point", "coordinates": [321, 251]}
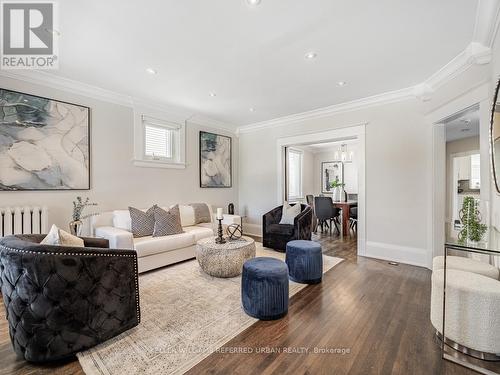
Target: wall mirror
{"type": "Point", "coordinates": [495, 138]}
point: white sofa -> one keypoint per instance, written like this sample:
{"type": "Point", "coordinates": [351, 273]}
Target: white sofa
{"type": "Point", "coordinates": [155, 252]}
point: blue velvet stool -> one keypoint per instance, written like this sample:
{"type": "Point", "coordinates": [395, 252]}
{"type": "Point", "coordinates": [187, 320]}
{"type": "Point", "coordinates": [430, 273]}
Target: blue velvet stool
{"type": "Point", "coordinates": [305, 261]}
{"type": "Point", "coordinates": [264, 288]}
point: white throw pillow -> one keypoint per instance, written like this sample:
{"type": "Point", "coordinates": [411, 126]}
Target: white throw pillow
{"type": "Point", "coordinates": [122, 220]}
{"type": "Point", "coordinates": [187, 215]}
{"type": "Point", "coordinates": [58, 237]}
{"type": "Point", "coordinates": [289, 213]}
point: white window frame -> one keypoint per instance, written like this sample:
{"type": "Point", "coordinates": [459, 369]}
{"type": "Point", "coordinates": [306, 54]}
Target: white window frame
{"type": "Point", "coordinates": [301, 172]}
{"type": "Point", "coordinates": [142, 118]}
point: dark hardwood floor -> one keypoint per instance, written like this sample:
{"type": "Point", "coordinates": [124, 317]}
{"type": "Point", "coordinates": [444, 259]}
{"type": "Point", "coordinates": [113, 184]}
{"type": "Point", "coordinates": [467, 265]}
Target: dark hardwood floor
{"type": "Point", "coordinates": [366, 317]}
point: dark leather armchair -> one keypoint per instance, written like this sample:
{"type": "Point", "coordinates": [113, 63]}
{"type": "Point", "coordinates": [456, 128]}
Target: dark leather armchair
{"type": "Point", "coordinates": [62, 300]}
{"type": "Point", "coordinates": [276, 236]}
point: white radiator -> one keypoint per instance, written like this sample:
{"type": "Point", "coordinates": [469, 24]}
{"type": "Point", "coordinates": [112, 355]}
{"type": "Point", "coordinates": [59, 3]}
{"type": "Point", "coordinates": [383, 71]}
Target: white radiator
{"type": "Point", "coordinates": [23, 220]}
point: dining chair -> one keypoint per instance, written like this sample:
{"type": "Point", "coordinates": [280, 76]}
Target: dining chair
{"type": "Point", "coordinates": [353, 218]}
{"type": "Point", "coordinates": [326, 212]}
{"type": "Point", "coordinates": [352, 197]}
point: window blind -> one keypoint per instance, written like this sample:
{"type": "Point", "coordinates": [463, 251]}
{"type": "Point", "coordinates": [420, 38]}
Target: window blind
{"type": "Point", "coordinates": [158, 141]}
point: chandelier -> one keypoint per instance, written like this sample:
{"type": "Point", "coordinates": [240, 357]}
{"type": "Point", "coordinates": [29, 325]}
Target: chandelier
{"type": "Point", "coordinates": [343, 154]}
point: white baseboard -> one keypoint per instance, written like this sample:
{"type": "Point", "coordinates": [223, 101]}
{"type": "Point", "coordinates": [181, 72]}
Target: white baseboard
{"type": "Point", "coordinates": [252, 229]}
{"type": "Point", "coordinates": [402, 254]}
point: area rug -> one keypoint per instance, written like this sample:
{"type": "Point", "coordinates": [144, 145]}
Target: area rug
{"type": "Point", "coordinates": [185, 316]}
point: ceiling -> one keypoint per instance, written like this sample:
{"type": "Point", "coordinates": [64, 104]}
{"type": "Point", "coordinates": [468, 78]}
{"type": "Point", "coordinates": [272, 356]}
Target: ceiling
{"type": "Point", "coordinates": [464, 125]}
{"type": "Point", "coordinates": [254, 57]}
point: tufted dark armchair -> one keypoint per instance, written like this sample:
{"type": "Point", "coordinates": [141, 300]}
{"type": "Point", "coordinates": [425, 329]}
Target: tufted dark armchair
{"type": "Point", "coordinates": [62, 300]}
{"type": "Point", "coordinates": [276, 236]}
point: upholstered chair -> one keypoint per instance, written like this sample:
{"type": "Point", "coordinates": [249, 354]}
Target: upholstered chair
{"type": "Point", "coordinates": [276, 235]}
{"type": "Point", "coordinates": [472, 311]}
{"type": "Point", "coordinates": [62, 300]}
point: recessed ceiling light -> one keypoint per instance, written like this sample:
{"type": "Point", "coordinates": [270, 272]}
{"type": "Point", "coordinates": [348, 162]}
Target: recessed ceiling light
{"type": "Point", "coordinates": [212, 94]}
{"type": "Point", "coordinates": [151, 71]}
{"type": "Point", "coordinates": [341, 83]}
{"type": "Point", "coordinates": [253, 3]}
{"type": "Point", "coordinates": [311, 55]}
{"type": "Point", "coordinates": [251, 109]}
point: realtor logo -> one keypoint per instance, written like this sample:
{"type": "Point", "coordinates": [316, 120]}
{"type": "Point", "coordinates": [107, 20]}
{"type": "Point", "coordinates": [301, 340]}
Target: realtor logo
{"type": "Point", "coordinates": [29, 35]}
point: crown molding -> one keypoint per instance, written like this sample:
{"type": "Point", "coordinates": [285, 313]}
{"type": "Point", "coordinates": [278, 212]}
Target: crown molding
{"type": "Point", "coordinates": [487, 22]}
{"type": "Point", "coordinates": [375, 100]}
{"type": "Point", "coordinates": [474, 54]}
{"type": "Point", "coordinates": [42, 78]}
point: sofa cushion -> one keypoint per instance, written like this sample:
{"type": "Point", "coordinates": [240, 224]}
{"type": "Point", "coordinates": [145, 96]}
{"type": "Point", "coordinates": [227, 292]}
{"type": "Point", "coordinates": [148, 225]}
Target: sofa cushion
{"type": "Point", "coordinates": [201, 213]}
{"type": "Point", "coordinates": [210, 226]}
{"type": "Point", "coordinates": [168, 222]}
{"type": "Point", "coordinates": [280, 229]}
{"type": "Point", "coordinates": [199, 232]}
{"type": "Point", "coordinates": [142, 222]}
{"type": "Point", "coordinates": [153, 245]}
{"type": "Point", "coordinates": [289, 213]}
{"type": "Point", "coordinates": [187, 215]}
{"type": "Point", "coordinates": [58, 237]}
{"type": "Point", "coordinates": [122, 220]}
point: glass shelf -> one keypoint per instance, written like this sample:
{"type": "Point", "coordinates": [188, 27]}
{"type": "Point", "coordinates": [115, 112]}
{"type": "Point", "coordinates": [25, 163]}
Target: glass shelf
{"type": "Point", "coordinates": [489, 245]}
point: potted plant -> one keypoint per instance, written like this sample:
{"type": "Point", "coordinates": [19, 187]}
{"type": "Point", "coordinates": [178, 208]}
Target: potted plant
{"type": "Point", "coordinates": [473, 230]}
{"type": "Point", "coordinates": [75, 226]}
{"type": "Point", "coordinates": [338, 191]}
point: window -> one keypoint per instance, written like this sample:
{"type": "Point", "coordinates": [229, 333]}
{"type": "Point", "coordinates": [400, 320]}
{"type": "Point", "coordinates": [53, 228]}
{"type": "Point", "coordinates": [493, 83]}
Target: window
{"type": "Point", "coordinates": [294, 174]}
{"type": "Point", "coordinates": [159, 143]}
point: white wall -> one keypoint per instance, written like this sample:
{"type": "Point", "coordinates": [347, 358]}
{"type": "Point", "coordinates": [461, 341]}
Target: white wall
{"type": "Point", "coordinates": [116, 183]}
{"type": "Point", "coordinates": [308, 173]}
{"type": "Point", "coordinates": [397, 160]}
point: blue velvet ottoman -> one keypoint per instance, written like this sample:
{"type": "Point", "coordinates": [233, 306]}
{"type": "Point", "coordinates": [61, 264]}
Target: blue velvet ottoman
{"type": "Point", "coordinates": [305, 261]}
{"type": "Point", "coordinates": [264, 288]}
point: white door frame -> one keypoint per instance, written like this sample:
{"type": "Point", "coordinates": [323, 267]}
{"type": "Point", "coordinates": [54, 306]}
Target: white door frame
{"type": "Point", "coordinates": [479, 95]}
{"type": "Point", "coordinates": [350, 132]}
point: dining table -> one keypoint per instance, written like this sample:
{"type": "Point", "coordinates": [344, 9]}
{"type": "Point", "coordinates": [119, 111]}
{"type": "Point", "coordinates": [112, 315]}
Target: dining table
{"type": "Point", "coordinates": [345, 207]}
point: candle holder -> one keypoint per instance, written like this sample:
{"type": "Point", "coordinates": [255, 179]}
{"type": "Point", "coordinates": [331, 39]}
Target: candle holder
{"type": "Point", "coordinates": [219, 239]}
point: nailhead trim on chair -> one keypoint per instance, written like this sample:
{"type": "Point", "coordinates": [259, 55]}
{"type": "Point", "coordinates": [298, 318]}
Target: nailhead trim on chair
{"type": "Point", "coordinates": [138, 314]}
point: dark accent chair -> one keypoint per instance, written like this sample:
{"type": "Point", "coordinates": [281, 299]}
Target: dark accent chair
{"type": "Point", "coordinates": [325, 212]}
{"type": "Point", "coordinates": [62, 300]}
{"type": "Point", "coordinates": [276, 235]}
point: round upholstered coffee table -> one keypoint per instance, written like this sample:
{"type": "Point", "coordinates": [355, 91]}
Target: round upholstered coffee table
{"type": "Point", "coordinates": [224, 260]}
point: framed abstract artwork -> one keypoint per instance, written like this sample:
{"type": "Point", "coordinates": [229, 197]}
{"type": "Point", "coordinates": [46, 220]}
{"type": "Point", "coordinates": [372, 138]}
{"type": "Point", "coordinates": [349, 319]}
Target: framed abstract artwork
{"type": "Point", "coordinates": [331, 171]}
{"type": "Point", "coordinates": [215, 161]}
{"type": "Point", "coordinates": [44, 143]}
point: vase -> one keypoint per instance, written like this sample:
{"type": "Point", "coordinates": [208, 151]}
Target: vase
{"type": "Point", "coordinates": [343, 195]}
{"type": "Point", "coordinates": [75, 227]}
{"type": "Point", "coordinates": [336, 194]}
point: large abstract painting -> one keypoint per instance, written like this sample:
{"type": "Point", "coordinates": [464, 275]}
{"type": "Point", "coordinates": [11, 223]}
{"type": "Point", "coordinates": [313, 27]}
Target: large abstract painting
{"type": "Point", "coordinates": [215, 160]}
{"type": "Point", "coordinates": [44, 143]}
{"type": "Point", "coordinates": [331, 171]}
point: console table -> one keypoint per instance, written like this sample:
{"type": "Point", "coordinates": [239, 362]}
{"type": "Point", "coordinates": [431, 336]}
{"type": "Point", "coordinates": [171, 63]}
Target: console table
{"type": "Point", "coordinates": [490, 246]}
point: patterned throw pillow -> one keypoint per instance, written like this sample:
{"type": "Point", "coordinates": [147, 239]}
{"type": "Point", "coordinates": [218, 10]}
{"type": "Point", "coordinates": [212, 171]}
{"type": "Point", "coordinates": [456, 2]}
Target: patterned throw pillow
{"type": "Point", "coordinates": [143, 223]}
{"type": "Point", "coordinates": [167, 222]}
{"type": "Point", "coordinates": [201, 213]}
